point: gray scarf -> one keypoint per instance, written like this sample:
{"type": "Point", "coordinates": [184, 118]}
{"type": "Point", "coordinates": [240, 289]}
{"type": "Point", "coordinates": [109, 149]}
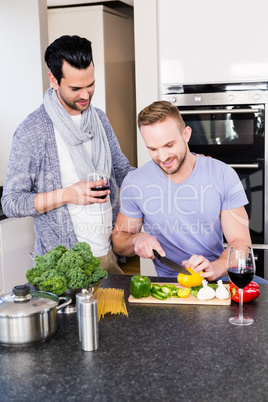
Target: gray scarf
{"type": "Point", "coordinates": [74, 137]}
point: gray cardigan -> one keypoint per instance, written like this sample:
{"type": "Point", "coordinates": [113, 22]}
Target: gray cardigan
{"type": "Point", "coordinates": [34, 168]}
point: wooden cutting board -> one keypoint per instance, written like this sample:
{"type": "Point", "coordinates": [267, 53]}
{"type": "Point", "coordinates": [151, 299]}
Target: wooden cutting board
{"type": "Point", "coordinates": [180, 300]}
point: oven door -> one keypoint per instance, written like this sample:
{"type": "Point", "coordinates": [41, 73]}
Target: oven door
{"type": "Point", "coordinates": [228, 133]}
{"type": "Point", "coordinates": [252, 178]}
{"type": "Point", "coordinates": [234, 135]}
{"type": "Point", "coordinates": [260, 255]}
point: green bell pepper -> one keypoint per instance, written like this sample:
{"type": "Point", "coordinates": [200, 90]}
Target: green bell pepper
{"type": "Point", "coordinates": [158, 292]}
{"type": "Point", "coordinates": [140, 286]}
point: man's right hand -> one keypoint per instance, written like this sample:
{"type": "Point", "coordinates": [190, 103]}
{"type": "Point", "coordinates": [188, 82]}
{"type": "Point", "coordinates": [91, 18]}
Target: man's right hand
{"type": "Point", "coordinates": [144, 244]}
{"type": "Point", "coordinates": [82, 193]}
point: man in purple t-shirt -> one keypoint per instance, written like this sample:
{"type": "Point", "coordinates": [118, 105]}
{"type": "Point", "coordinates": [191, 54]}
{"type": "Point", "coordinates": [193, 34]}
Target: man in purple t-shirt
{"type": "Point", "coordinates": [185, 202]}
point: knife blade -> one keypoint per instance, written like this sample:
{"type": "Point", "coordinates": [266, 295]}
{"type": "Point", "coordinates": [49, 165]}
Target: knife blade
{"type": "Point", "coordinates": [171, 264]}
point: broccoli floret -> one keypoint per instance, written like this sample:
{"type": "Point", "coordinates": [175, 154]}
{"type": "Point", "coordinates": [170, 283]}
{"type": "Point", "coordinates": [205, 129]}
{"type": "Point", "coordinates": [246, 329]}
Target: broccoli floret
{"type": "Point", "coordinates": [40, 263]}
{"type": "Point", "coordinates": [49, 260]}
{"type": "Point", "coordinates": [97, 275]}
{"type": "Point", "coordinates": [33, 274]}
{"type": "Point", "coordinates": [60, 249]}
{"type": "Point", "coordinates": [53, 281]}
{"type": "Point", "coordinates": [75, 278]}
{"type": "Point", "coordinates": [84, 250]}
{"type": "Point", "coordinates": [92, 265]}
{"type": "Point", "coordinates": [69, 260]}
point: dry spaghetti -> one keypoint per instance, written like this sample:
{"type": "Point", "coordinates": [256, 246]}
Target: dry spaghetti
{"type": "Point", "coordinates": [110, 301]}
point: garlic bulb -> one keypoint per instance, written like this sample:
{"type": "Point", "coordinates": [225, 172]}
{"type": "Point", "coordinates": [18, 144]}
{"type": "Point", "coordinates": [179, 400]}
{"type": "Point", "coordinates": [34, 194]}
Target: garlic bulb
{"type": "Point", "coordinates": [221, 291]}
{"type": "Point", "coordinates": [206, 292]}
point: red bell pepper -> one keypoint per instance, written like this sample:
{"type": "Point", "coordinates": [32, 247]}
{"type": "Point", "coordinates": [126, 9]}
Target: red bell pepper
{"type": "Point", "coordinates": [251, 292]}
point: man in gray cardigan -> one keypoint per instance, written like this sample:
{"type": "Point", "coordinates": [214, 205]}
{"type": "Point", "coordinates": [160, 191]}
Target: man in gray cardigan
{"type": "Point", "coordinates": [55, 153]}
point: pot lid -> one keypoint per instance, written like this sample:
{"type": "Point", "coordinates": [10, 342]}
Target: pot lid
{"type": "Point", "coordinates": [22, 302]}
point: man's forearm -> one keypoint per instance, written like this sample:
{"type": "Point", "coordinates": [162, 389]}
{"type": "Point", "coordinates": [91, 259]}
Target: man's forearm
{"type": "Point", "coordinates": [123, 243]}
{"type": "Point", "coordinates": [45, 202]}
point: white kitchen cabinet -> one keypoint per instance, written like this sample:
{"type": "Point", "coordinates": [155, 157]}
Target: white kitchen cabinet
{"type": "Point", "coordinates": [112, 37]}
{"type": "Point", "coordinates": [16, 241]}
{"type": "Point", "coordinates": [208, 41]}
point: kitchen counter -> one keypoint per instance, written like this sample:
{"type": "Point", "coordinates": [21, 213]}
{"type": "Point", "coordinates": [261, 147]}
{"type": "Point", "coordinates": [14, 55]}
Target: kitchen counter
{"type": "Point", "coordinates": [158, 352]}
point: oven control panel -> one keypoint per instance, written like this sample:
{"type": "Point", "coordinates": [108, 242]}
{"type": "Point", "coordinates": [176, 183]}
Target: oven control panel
{"type": "Point", "coordinates": [219, 98]}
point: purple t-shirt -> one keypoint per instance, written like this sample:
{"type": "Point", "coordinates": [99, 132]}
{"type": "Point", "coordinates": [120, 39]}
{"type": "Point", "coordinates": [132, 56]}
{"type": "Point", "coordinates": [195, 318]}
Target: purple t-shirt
{"type": "Point", "coordinates": [185, 218]}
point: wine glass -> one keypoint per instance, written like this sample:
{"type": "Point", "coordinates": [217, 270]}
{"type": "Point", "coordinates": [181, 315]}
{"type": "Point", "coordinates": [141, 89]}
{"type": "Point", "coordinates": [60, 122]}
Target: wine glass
{"type": "Point", "coordinates": [241, 270]}
{"type": "Point", "coordinates": [99, 176]}
{"type": "Point", "coordinates": [94, 176]}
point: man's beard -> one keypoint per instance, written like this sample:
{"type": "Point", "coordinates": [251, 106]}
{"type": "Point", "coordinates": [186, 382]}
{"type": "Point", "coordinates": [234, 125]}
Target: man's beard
{"type": "Point", "coordinates": [171, 172]}
{"type": "Point", "coordinates": [74, 105]}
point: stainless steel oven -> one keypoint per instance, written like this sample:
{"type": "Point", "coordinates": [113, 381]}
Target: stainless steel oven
{"type": "Point", "coordinates": [230, 122]}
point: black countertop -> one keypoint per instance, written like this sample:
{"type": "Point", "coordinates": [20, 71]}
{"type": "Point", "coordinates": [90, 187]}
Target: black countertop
{"type": "Point", "coordinates": [159, 352]}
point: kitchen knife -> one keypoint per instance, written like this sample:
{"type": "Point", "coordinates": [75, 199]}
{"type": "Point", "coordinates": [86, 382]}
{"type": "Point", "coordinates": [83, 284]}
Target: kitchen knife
{"type": "Point", "coordinates": [171, 264]}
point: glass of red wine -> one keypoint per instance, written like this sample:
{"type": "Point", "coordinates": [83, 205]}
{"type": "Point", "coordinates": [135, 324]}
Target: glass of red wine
{"type": "Point", "coordinates": [94, 176]}
{"type": "Point", "coordinates": [100, 176]}
{"type": "Point", "coordinates": [241, 270]}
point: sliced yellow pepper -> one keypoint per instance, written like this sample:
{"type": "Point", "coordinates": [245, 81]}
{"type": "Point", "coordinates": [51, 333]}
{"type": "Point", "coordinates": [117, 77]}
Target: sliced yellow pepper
{"type": "Point", "coordinates": [183, 292]}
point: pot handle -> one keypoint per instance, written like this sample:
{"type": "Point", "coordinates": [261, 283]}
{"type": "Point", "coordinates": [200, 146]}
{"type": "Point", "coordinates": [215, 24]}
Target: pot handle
{"type": "Point", "coordinates": [31, 255]}
{"type": "Point", "coordinates": [68, 301]}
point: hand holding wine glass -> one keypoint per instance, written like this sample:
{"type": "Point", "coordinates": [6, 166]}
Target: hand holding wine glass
{"type": "Point", "coordinates": [96, 176]}
{"type": "Point", "coordinates": [241, 270]}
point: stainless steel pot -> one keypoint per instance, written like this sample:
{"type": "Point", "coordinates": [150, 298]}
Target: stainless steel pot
{"type": "Point", "coordinates": [27, 317]}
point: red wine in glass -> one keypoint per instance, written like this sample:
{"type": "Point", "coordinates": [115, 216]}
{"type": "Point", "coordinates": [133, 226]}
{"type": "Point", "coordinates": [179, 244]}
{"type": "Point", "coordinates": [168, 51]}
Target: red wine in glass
{"type": "Point", "coordinates": [241, 270]}
{"type": "Point", "coordinates": [96, 176]}
{"type": "Point", "coordinates": [100, 188]}
{"type": "Point", "coordinates": [241, 279]}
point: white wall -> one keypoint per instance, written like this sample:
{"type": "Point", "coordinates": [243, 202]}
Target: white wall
{"type": "Point", "coordinates": [24, 37]}
{"type": "Point", "coordinates": [146, 61]}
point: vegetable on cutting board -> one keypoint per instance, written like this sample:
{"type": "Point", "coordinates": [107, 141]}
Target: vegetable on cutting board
{"type": "Point", "coordinates": [162, 292]}
{"type": "Point", "coordinates": [140, 286]}
{"type": "Point", "coordinates": [221, 291]}
{"type": "Point", "coordinates": [206, 292]}
{"type": "Point", "coordinates": [184, 292]}
{"type": "Point", "coordinates": [250, 292]}
{"type": "Point", "coordinates": [195, 289]}
{"type": "Point", "coordinates": [190, 280]}
{"type": "Point", "coordinates": [158, 293]}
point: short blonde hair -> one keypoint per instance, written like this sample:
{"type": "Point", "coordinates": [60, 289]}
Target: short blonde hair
{"type": "Point", "coordinates": [158, 111]}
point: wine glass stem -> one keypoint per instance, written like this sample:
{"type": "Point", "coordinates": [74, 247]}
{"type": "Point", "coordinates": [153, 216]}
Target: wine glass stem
{"type": "Point", "coordinates": [102, 219]}
{"type": "Point", "coordinates": [240, 304]}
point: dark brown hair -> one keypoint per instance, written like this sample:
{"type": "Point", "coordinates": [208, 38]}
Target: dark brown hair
{"type": "Point", "coordinates": [75, 50]}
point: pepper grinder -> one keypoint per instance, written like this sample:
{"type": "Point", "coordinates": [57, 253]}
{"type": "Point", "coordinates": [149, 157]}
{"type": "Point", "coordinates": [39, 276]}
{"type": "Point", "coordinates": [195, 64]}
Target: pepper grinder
{"type": "Point", "coordinates": [89, 323]}
{"type": "Point", "coordinates": [79, 297]}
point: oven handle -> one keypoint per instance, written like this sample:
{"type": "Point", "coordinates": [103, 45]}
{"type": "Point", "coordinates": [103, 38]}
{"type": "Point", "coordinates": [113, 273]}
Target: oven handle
{"type": "Point", "coordinates": [216, 111]}
{"type": "Point", "coordinates": [244, 165]}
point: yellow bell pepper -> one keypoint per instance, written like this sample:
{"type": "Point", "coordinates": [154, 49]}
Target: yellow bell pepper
{"type": "Point", "coordinates": [190, 280]}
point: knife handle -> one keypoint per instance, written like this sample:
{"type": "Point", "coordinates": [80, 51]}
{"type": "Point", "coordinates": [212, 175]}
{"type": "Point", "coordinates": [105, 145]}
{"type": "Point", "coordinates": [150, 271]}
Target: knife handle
{"type": "Point", "coordinates": [156, 254]}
